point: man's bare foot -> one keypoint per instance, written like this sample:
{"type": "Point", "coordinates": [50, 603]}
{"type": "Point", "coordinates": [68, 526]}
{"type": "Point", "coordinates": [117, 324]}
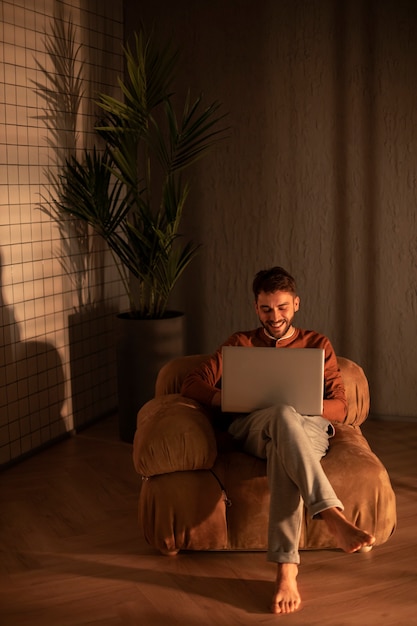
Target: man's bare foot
{"type": "Point", "coordinates": [286, 598]}
{"type": "Point", "coordinates": [349, 537]}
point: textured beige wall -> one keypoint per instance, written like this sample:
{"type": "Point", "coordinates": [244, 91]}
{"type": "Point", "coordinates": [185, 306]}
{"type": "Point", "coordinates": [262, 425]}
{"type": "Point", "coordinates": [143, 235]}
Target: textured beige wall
{"type": "Point", "coordinates": [57, 367]}
{"type": "Point", "coordinates": [318, 174]}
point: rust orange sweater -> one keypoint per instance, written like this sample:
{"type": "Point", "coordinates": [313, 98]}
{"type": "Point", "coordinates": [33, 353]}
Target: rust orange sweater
{"type": "Point", "coordinates": [204, 382]}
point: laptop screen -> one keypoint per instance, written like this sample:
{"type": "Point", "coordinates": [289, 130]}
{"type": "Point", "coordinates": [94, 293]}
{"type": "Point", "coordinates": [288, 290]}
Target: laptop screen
{"type": "Point", "coordinates": [255, 378]}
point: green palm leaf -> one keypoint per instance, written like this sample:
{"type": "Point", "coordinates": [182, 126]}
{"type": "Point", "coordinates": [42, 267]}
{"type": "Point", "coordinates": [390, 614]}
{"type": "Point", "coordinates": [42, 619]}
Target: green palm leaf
{"type": "Point", "coordinates": [116, 192]}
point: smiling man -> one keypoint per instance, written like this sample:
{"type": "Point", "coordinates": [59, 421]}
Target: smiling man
{"type": "Point", "coordinates": [293, 444]}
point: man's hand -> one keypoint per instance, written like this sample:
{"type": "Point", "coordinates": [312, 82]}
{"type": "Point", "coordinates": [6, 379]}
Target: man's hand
{"type": "Point", "coordinates": [334, 410]}
{"type": "Point", "coordinates": [217, 399]}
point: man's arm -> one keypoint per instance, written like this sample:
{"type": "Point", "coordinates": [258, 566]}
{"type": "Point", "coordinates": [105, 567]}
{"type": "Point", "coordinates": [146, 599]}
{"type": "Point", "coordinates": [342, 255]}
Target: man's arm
{"type": "Point", "coordinates": [334, 410]}
{"type": "Point", "coordinates": [335, 402]}
{"type": "Point", "coordinates": [201, 383]}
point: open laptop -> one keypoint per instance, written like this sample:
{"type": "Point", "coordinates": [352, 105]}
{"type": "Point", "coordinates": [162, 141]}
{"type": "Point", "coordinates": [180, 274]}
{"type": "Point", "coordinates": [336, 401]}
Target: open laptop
{"type": "Point", "coordinates": [255, 378]}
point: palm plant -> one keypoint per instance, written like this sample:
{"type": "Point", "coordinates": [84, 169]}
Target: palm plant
{"type": "Point", "coordinates": [134, 194]}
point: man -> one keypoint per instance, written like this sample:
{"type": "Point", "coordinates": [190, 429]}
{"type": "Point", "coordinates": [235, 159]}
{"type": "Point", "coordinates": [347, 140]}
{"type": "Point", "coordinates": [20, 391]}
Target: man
{"type": "Point", "coordinates": [293, 444]}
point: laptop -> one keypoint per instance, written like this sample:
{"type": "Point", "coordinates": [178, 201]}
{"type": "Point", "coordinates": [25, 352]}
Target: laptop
{"type": "Point", "coordinates": [256, 378]}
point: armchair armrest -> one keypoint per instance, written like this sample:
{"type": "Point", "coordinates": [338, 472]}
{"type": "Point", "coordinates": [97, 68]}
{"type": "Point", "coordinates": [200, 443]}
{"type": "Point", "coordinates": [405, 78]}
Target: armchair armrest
{"type": "Point", "coordinates": [173, 434]}
{"type": "Point", "coordinates": [357, 391]}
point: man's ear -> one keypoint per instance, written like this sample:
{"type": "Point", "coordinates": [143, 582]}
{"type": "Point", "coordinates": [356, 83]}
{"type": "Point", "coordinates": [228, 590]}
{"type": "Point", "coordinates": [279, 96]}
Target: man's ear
{"type": "Point", "coordinates": [296, 303]}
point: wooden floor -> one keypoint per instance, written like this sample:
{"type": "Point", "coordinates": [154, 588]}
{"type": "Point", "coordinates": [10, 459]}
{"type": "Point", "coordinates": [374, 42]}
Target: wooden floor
{"type": "Point", "coordinates": [72, 551]}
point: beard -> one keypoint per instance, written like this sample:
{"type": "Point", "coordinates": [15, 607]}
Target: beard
{"type": "Point", "coordinates": [278, 330]}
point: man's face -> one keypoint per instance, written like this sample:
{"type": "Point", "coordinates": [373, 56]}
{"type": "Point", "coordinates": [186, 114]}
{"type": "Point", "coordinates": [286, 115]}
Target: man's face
{"type": "Point", "coordinates": [276, 312]}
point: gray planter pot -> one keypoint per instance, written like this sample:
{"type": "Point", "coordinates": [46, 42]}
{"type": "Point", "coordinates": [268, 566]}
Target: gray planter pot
{"type": "Point", "coordinates": [143, 347]}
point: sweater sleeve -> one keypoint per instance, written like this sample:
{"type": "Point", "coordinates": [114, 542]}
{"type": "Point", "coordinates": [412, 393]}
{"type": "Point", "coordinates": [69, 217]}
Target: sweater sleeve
{"type": "Point", "coordinates": [205, 381]}
{"type": "Point", "coordinates": [202, 383]}
{"type": "Point", "coordinates": [335, 402]}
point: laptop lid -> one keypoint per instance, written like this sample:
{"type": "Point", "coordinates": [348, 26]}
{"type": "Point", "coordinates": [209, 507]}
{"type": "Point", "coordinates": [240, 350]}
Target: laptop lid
{"type": "Point", "coordinates": [255, 378]}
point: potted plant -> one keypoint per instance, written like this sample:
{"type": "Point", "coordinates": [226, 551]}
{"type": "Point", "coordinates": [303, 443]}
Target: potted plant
{"type": "Point", "coordinates": [133, 194]}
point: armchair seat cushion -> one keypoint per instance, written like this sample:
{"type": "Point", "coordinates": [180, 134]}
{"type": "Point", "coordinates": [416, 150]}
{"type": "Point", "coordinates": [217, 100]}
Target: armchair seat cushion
{"type": "Point", "coordinates": [202, 493]}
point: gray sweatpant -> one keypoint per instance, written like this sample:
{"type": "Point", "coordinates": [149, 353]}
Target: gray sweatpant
{"type": "Point", "coordinates": [293, 445]}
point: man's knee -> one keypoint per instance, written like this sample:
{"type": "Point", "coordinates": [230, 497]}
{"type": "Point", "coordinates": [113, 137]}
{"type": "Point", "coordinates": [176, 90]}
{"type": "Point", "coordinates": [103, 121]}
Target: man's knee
{"type": "Point", "coordinates": [284, 419]}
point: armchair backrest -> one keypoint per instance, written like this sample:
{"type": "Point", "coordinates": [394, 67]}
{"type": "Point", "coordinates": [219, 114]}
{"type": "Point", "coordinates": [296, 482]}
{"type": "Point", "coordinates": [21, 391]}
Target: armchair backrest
{"type": "Point", "coordinates": [172, 374]}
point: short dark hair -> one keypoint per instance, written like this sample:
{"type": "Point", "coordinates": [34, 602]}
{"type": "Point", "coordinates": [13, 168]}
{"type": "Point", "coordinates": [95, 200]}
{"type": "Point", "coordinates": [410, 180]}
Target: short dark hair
{"type": "Point", "coordinates": [273, 279]}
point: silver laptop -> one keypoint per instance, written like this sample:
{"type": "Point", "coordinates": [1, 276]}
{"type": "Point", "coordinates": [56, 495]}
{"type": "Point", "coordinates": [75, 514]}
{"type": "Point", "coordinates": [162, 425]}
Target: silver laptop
{"type": "Point", "coordinates": [255, 378]}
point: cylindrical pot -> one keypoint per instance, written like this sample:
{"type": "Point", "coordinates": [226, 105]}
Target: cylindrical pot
{"type": "Point", "coordinates": [143, 347]}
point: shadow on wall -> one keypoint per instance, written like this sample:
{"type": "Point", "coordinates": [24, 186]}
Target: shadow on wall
{"type": "Point", "coordinates": [92, 354]}
{"type": "Point", "coordinates": [32, 390]}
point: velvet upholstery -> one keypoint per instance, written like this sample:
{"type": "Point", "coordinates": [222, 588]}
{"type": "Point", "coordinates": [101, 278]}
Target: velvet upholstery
{"type": "Point", "coordinates": [200, 492]}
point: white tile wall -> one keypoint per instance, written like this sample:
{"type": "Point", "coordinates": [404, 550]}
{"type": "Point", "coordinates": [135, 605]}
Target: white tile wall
{"type": "Point", "coordinates": [38, 383]}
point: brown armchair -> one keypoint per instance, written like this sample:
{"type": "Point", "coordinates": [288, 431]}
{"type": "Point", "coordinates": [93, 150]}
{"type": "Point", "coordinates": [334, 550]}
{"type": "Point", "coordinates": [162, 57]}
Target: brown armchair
{"type": "Point", "coordinates": [200, 492]}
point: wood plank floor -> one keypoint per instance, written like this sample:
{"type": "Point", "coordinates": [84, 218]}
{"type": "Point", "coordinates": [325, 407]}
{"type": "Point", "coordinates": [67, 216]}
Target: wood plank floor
{"type": "Point", "coordinates": [72, 552]}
